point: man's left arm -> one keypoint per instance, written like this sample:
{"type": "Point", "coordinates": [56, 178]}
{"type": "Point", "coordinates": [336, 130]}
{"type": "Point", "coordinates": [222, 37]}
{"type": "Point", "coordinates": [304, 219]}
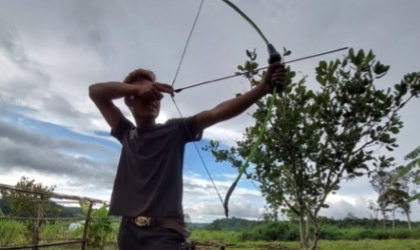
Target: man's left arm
{"type": "Point", "coordinates": [276, 74]}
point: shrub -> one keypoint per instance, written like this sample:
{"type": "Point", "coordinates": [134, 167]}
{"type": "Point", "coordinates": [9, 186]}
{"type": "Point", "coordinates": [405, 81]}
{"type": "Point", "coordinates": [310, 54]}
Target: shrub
{"type": "Point", "coordinates": [272, 231]}
{"type": "Point", "coordinates": [12, 232]}
{"type": "Point", "coordinates": [329, 232]}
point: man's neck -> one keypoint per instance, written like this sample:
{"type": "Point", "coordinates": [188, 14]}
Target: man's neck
{"type": "Point", "coordinates": [145, 123]}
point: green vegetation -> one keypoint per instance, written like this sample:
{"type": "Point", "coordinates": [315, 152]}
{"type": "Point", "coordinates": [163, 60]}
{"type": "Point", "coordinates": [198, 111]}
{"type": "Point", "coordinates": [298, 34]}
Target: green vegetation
{"type": "Point", "coordinates": [14, 232]}
{"type": "Point", "coordinates": [35, 203]}
{"type": "Point", "coordinates": [100, 226]}
{"type": "Point", "coordinates": [319, 137]}
{"type": "Point", "coordinates": [412, 171]}
{"type": "Point", "coordinates": [350, 228]}
{"type": "Point", "coordinates": [59, 210]}
{"type": "Point", "coordinates": [11, 232]}
{"type": "Point", "coordinates": [257, 235]}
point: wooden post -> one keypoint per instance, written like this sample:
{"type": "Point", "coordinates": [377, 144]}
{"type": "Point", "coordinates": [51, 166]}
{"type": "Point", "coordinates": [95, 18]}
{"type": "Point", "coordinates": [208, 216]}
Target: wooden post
{"type": "Point", "coordinates": [85, 230]}
{"type": "Point", "coordinates": [38, 219]}
{"type": "Point", "coordinates": [38, 223]}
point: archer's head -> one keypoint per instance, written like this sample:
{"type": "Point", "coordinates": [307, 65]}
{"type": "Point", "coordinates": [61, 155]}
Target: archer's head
{"type": "Point", "coordinates": [143, 110]}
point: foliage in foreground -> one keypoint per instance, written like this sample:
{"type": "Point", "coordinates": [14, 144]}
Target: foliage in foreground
{"type": "Point", "coordinates": [317, 139]}
{"type": "Point", "coordinates": [264, 236]}
{"type": "Point", "coordinates": [100, 225]}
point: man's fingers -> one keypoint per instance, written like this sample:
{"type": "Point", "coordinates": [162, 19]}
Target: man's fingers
{"type": "Point", "coordinates": [156, 94]}
{"type": "Point", "coordinates": [163, 84]}
{"type": "Point", "coordinates": [165, 88]}
{"type": "Point", "coordinates": [278, 78]}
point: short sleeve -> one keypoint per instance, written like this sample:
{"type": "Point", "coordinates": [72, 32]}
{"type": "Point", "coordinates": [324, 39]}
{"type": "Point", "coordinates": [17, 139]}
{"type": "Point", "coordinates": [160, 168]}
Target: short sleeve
{"type": "Point", "coordinates": [190, 125]}
{"type": "Point", "coordinates": [123, 126]}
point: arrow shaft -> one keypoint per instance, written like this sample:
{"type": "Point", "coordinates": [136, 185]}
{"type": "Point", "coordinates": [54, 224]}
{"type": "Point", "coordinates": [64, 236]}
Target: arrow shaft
{"type": "Point", "coordinates": [240, 74]}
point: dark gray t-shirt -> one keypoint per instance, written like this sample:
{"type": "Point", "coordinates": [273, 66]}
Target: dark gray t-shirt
{"type": "Point", "coordinates": [149, 175]}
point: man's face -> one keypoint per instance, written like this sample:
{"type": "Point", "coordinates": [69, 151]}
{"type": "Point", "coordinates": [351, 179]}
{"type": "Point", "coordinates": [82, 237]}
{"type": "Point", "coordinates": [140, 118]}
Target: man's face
{"type": "Point", "coordinates": [145, 108]}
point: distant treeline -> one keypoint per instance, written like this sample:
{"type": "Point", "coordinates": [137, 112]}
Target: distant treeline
{"type": "Point", "coordinates": [63, 210]}
{"type": "Point", "coordinates": [331, 229]}
{"type": "Point", "coordinates": [236, 224]}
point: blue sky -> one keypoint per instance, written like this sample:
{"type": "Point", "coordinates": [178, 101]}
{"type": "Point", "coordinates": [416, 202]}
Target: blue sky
{"type": "Point", "coordinates": [51, 51]}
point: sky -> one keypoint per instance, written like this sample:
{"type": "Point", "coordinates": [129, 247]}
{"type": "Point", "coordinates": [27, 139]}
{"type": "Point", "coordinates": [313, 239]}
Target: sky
{"type": "Point", "coordinates": [51, 51]}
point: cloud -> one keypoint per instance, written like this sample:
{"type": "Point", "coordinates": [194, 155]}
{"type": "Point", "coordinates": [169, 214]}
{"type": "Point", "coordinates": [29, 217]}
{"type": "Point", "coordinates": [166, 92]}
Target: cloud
{"type": "Point", "coordinates": [22, 72]}
{"type": "Point", "coordinates": [201, 202]}
{"type": "Point", "coordinates": [26, 150]}
{"type": "Point", "coordinates": [342, 208]}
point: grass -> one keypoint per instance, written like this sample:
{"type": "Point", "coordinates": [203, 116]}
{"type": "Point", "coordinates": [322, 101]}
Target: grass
{"type": "Point", "coordinates": [15, 233]}
{"type": "Point", "coordinates": [232, 242]}
{"type": "Point", "coordinates": [327, 245]}
{"type": "Point", "coordinates": [392, 244]}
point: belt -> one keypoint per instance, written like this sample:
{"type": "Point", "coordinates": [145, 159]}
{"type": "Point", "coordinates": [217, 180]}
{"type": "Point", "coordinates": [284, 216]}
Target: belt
{"type": "Point", "coordinates": [142, 221]}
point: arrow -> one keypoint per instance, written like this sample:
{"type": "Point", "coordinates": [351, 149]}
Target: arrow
{"type": "Point", "coordinates": [239, 74]}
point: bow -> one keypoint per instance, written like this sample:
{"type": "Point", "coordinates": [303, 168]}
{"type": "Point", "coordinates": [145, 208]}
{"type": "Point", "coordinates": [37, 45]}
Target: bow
{"type": "Point", "coordinates": [274, 56]}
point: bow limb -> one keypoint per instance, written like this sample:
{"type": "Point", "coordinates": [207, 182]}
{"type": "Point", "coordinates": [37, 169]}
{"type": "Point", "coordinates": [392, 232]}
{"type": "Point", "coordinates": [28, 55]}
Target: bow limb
{"type": "Point", "coordinates": [240, 12]}
{"type": "Point", "coordinates": [274, 56]}
{"type": "Point", "coordinates": [251, 154]}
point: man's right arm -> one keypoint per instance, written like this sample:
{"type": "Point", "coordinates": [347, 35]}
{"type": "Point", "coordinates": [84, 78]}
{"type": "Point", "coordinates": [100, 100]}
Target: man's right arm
{"type": "Point", "coordinates": [102, 95]}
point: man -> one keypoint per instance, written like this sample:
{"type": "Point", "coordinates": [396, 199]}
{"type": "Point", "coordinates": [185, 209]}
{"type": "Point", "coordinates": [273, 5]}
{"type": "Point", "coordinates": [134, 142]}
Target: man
{"type": "Point", "coordinates": [148, 184]}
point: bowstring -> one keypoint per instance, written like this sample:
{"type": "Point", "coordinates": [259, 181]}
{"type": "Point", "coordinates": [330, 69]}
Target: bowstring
{"type": "Point", "coordinates": [179, 111]}
{"type": "Point", "coordinates": [188, 41]}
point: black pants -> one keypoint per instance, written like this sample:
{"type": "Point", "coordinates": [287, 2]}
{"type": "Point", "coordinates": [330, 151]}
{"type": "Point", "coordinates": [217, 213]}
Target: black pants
{"type": "Point", "coordinates": [133, 237]}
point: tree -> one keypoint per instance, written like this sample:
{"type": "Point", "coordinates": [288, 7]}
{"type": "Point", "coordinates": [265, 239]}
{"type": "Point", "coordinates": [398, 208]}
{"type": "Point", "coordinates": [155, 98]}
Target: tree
{"type": "Point", "coordinates": [317, 139]}
{"type": "Point", "coordinates": [31, 200]}
{"type": "Point", "coordinates": [381, 182]}
{"type": "Point", "coordinates": [375, 210]}
{"type": "Point", "coordinates": [392, 193]}
{"type": "Point", "coordinates": [410, 171]}
{"type": "Point", "coordinates": [397, 198]}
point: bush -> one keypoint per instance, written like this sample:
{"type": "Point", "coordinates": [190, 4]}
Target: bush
{"type": "Point", "coordinates": [285, 231]}
{"type": "Point", "coordinates": [401, 234]}
{"type": "Point", "coordinates": [272, 231]}
{"type": "Point", "coordinates": [12, 232]}
{"type": "Point", "coordinates": [329, 232]}
{"type": "Point", "coordinates": [383, 235]}
{"type": "Point", "coordinates": [53, 231]}
{"type": "Point", "coordinates": [210, 236]}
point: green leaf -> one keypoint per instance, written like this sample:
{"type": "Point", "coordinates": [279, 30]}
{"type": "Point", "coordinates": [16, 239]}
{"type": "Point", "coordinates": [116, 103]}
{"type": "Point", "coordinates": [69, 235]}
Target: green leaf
{"type": "Point", "coordinates": [321, 80]}
{"type": "Point", "coordinates": [385, 138]}
{"type": "Point", "coordinates": [394, 130]}
{"type": "Point", "coordinates": [380, 69]}
{"type": "Point", "coordinates": [323, 64]}
{"type": "Point", "coordinates": [370, 56]}
{"type": "Point", "coordinates": [413, 154]}
{"type": "Point", "coordinates": [351, 53]}
{"type": "Point", "coordinates": [415, 197]}
{"type": "Point", "coordinates": [358, 174]}
{"type": "Point", "coordinates": [360, 55]}
{"type": "Point", "coordinates": [248, 53]}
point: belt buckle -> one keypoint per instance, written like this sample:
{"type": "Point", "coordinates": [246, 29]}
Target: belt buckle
{"type": "Point", "coordinates": [142, 221]}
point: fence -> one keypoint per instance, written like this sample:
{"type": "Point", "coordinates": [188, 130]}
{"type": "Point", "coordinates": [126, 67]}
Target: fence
{"type": "Point", "coordinates": [42, 197]}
